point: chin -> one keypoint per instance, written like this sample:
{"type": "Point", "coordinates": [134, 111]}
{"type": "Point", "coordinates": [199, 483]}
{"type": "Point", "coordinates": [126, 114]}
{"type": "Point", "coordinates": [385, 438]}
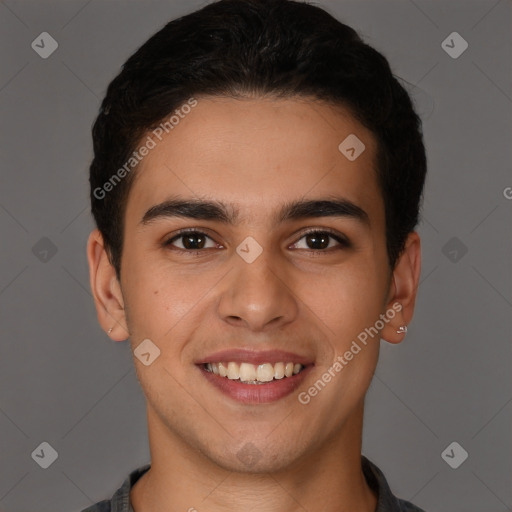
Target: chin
{"type": "Point", "coordinates": [253, 459]}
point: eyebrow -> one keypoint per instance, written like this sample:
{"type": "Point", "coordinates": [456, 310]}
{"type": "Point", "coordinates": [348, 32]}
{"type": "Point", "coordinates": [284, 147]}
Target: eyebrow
{"type": "Point", "coordinates": [228, 214]}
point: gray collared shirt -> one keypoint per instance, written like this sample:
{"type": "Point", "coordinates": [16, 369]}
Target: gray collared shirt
{"type": "Point", "coordinates": [387, 501]}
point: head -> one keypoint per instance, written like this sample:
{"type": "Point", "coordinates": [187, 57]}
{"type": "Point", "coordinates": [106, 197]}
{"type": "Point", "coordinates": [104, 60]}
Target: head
{"type": "Point", "coordinates": [236, 112]}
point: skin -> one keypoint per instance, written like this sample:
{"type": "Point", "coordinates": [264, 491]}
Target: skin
{"type": "Point", "coordinates": [256, 154]}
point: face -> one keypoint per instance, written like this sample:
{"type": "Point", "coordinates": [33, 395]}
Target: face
{"type": "Point", "coordinates": [254, 279]}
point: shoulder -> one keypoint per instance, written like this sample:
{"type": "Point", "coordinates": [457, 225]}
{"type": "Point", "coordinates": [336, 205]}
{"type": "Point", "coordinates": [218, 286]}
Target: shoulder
{"type": "Point", "coordinates": [387, 501]}
{"type": "Point", "coordinates": [407, 506]}
{"type": "Point", "coordinates": [120, 502]}
{"type": "Point", "coordinates": [102, 506]}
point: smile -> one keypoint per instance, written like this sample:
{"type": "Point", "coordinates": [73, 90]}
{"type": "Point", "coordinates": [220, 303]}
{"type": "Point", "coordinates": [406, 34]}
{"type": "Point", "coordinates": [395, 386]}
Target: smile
{"type": "Point", "coordinates": [254, 374]}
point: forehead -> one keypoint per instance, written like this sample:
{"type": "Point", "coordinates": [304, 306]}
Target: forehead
{"type": "Point", "coordinates": [257, 154]}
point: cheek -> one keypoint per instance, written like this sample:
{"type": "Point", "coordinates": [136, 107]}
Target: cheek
{"type": "Point", "coordinates": [349, 306]}
{"type": "Point", "coordinates": [159, 296]}
{"type": "Point", "coordinates": [347, 298]}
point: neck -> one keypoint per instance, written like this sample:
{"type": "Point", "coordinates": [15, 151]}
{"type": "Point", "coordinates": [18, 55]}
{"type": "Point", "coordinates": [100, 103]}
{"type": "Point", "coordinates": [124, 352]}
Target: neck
{"type": "Point", "coordinates": [330, 478]}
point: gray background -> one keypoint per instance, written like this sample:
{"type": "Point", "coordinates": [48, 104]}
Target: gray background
{"type": "Point", "coordinates": [63, 382]}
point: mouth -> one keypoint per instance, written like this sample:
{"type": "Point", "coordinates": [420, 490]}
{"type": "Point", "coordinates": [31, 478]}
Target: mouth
{"type": "Point", "coordinates": [250, 377]}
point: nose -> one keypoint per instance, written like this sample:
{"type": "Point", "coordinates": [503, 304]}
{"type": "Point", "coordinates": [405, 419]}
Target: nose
{"type": "Point", "coordinates": [257, 295]}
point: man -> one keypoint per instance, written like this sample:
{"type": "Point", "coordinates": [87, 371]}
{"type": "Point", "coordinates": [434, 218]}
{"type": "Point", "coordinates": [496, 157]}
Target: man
{"type": "Point", "coordinates": [256, 183]}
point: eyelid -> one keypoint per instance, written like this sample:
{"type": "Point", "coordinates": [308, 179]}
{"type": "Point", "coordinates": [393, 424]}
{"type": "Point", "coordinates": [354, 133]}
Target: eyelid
{"type": "Point", "coordinates": [183, 231]}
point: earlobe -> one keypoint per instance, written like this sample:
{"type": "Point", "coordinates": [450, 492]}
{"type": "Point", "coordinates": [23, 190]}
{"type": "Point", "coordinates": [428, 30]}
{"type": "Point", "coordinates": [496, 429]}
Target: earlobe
{"type": "Point", "coordinates": [106, 290]}
{"type": "Point", "coordinates": [403, 290]}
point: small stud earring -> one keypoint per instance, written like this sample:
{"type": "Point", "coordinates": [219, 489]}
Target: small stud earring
{"type": "Point", "coordinates": [402, 329]}
{"type": "Point", "coordinates": [110, 330]}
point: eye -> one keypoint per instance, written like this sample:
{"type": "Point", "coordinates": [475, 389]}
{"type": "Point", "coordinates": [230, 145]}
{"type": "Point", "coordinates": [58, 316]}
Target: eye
{"type": "Point", "coordinates": [191, 240]}
{"type": "Point", "coordinates": [320, 240]}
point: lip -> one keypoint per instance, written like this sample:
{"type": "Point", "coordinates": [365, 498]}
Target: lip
{"type": "Point", "coordinates": [256, 393]}
{"type": "Point", "coordinates": [255, 357]}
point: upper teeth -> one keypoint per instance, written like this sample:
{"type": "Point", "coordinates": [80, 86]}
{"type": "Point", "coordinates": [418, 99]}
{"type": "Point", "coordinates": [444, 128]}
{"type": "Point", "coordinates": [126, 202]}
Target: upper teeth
{"type": "Point", "coordinates": [248, 372]}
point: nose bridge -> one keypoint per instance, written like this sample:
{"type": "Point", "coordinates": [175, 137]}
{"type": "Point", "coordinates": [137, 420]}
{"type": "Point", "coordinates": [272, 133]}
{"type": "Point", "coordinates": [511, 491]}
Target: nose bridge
{"type": "Point", "coordinates": [256, 293]}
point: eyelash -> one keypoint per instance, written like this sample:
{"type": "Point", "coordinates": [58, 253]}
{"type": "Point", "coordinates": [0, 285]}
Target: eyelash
{"type": "Point", "coordinates": [343, 242]}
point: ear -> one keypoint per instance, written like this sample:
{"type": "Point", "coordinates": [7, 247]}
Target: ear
{"type": "Point", "coordinates": [403, 288]}
{"type": "Point", "coordinates": [106, 289]}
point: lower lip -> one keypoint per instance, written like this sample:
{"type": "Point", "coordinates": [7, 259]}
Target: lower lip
{"type": "Point", "coordinates": [256, 393]}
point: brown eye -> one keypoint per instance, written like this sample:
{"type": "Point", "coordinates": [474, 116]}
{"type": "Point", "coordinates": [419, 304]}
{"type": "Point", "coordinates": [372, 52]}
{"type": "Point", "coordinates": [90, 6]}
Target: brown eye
{"type": "Point", "coordinates": [190, 241]}
{"type": "Point", "coordinates": [317, 240]}
{"type": "Point", "coordinates": [321, 240]}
